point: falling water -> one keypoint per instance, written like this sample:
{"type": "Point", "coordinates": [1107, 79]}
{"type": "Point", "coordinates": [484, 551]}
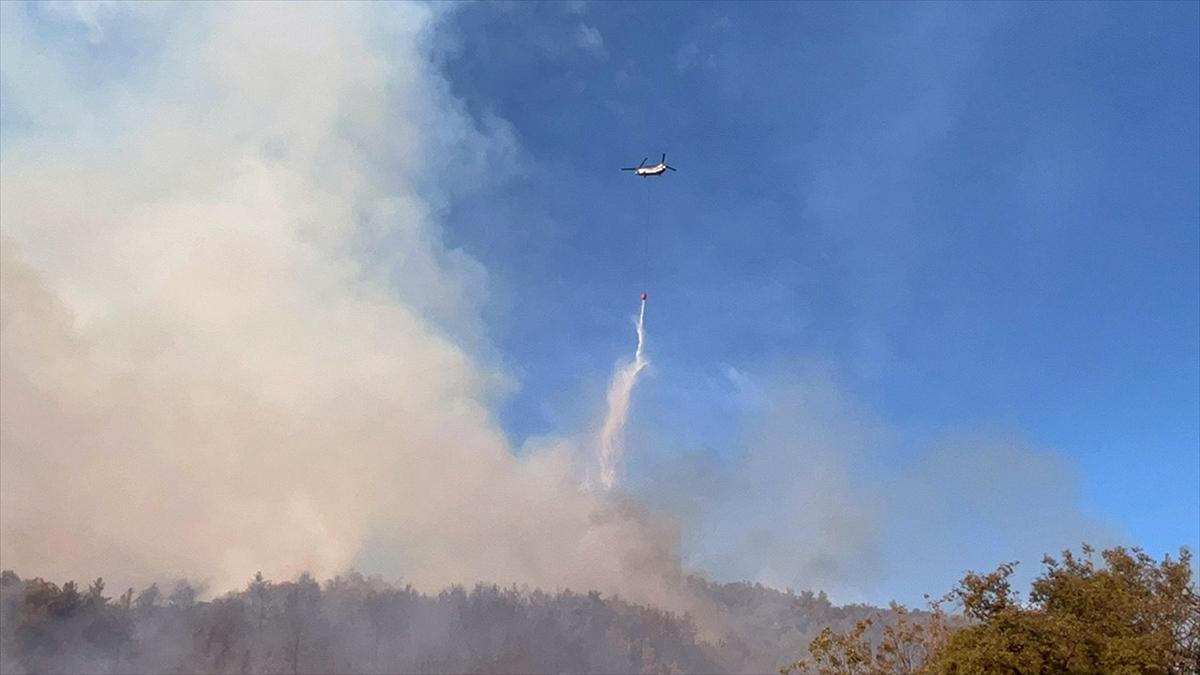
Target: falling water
{"type": "Point", "coordinates": [612, 439]}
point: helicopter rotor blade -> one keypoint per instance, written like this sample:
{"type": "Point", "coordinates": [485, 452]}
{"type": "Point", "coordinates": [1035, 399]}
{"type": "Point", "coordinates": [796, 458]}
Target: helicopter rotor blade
{"type": "Point", "coordinates": [629, 168]}
{"type": "Point", "coordinates": [664, 159]}
{"type": "Point", "coordinates": [643, 162]}
{"type": "Point", "coordinates": [670, 167]}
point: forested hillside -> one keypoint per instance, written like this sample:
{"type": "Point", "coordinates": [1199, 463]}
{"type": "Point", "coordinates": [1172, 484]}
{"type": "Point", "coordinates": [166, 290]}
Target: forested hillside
{"type": "Point", "coordinates": [1117, 612]}
{"type": "Point", "coordinates": [355, 624]}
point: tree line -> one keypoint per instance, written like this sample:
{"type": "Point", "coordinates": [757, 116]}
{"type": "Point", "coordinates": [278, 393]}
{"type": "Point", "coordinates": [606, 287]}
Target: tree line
{"type": "Point", "coordinates": [351, 624]}
{"type": "Point", "coordinates": [1116, 612]}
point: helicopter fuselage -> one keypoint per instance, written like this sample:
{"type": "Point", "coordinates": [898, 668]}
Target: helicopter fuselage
{"type": "Point", "coordinates": [652, 170]}
{"type": "Point", "coordinates": [656, 170]}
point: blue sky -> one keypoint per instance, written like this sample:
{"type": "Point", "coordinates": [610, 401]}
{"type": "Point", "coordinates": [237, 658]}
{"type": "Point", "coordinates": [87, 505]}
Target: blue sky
{"type": "Point", "coordinates": [924, 291]}
{"type": "Point", "coordinates": [979, 216]}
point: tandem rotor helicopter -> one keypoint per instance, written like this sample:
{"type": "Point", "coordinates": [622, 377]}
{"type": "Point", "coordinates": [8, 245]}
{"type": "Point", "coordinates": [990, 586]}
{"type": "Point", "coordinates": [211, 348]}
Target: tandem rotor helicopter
{"type": "Point", "coordinates": [653, 170]}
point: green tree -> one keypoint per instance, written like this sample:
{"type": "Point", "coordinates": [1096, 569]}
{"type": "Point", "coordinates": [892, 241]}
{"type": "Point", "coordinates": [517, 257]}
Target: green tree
{"type": "Point", "coordinates": [95, 595]}
{"type": "Point", "coordinates": [904, 645]}
{"type": "Point", "coordinates": [1129, 614]}
{"type": "Point", "coordinates": [68, 600]}
{"type": "Point", "coordinates": [148, 598]}
{"type": "Point", "coordinates": [126, 600]}
{"type": "Point", "coordinates": [259, 590]}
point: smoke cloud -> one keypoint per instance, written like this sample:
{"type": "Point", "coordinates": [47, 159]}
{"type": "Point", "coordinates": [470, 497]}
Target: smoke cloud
{"type": "Point", "coordinates": [820, 492]}
{"type": "Point", "coordinates": [232, 340]}
{"type": "Point", "coordinates": [209, 367]}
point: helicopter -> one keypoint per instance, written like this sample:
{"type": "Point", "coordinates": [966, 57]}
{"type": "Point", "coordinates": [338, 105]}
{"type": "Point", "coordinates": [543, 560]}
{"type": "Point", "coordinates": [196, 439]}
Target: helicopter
{"type": "Point", "coordinates": [653, 170]}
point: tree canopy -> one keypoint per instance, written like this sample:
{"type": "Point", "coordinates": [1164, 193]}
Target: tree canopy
{"type": "Point", "coordinates": [1126, 613]}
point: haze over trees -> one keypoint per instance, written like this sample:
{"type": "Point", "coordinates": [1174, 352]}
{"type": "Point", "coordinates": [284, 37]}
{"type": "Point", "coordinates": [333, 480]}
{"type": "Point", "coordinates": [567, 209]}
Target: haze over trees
{"type": "Point", "coordinates": [357, 624]}
{"type": "Point", "coordinates": [1123, 613]}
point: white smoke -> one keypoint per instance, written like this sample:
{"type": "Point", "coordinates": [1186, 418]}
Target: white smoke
{"type": "Point", "coordinates": [208, 365]}
{"type": "Point", "coordinates": [232, 339]}
{"type": "Point", "coordinates": [611, 442]}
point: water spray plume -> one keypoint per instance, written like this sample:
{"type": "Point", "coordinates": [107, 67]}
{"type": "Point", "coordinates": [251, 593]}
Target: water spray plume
{"type": "Point", "coordinates": [612, 440]}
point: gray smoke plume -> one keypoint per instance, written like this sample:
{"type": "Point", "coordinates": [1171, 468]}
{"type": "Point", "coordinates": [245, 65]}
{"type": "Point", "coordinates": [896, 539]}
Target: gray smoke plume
{"type": "Point", "coordinates": [208, 369]}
